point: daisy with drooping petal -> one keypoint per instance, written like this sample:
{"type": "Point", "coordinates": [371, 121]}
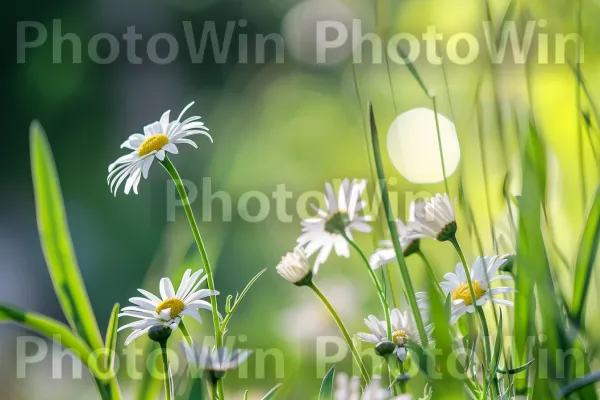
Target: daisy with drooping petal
{"type": "Point", "coordinates": [325, 232]}
{"type": "Point", "coordinates": [404, 329]}
{"type": "Point", "coordinates": [159, 138]}
{"type": "Point", "coordinates": [386, 254]}
{"type": "Point", "coordinates": [170, 308]}
{"type": "Point", "coordinates": [434, 219]}
{"type": "Point", "coordinates": [482, 275]}
{"type": "Point", "coordinates": [295, 268]}
{"type": "Point", "coordinates": [214, 361]}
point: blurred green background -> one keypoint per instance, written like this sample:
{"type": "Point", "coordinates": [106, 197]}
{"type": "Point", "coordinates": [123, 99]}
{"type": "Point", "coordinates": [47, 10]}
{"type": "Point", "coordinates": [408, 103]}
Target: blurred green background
{"type": "Point", "coordinates": [294, 123]}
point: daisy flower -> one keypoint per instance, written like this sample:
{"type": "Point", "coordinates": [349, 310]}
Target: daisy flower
{"type": "Point", "coordinates": [386, 254]}
{"type": "Point", "coordinates": [214, 361]}
{"type": "Point", "coordinates": [482, 275]}
{"type": "Point", "coordinates": [434, 219]}
{"type": "Point", "coordinates": [159, 138]}
{"type": "Point", "coordinates": [404, 329]}
{"type": "Point", "coordinates": [349, 389]}
{"type": "Point", "coordinates": [342, 214]}
{"type": "Point", "coordinates": [170, 308]}
{"type": "Point", "coordinates": [295, 268]}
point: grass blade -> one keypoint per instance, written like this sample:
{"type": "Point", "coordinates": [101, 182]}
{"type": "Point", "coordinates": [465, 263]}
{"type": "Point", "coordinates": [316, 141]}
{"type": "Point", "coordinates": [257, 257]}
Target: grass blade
{"type": "Point", "coordinates": [111, 338]}
{"type": "Point", "coordinates": [586, 258]}
{"type": "Point", "coordinates": [272, 393]}
{"type": "Point", "coordinates": [516, 370]}
{"type": "Point", "coordinates": [56, 331]}
{"type": "Point", "coordinates": [579, 384]}
{"type": "Point", "coordinates": [326, 391]}
{"type": "Point", "coordinates": [56, 241]}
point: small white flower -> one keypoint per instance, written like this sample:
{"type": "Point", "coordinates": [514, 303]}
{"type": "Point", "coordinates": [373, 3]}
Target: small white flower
{"type": "Point", "coordinates": [295, 268]}
{"type": "Point", "coordinates": [432, 219]}
{"type": "Point", "coordinates": [342, 214]}
{"type": "Point", "coordinates": [482, 275]}
{"type": "Point", "coordinates": [386, 254]}
{"type": "Point", "coordinates": [213, 360]}
{"type": "Point", "coordinates": [159, 137]}
{"type": "Point", "coordinates": [349, 389]}
{"type": "Point", "coordinates": [404, 329]}
{"type": "Point", "coordinates": [170, 308]}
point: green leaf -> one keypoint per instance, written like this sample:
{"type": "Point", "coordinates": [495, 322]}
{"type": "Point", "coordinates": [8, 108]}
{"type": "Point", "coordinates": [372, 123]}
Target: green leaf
{"type": "Point", "coordinates": [493, 367]}
{"type": "Point", "coordinates": [246, 395]}
{"type": "Point", "coordinates": [238, 299]}
{"type": "Point", "coordinates": [111, 338]}
{"type": "Point", "coordinates": [56, 241]}
{"type": "Point", "coordinates": [272, 393]}
{"type": "Point", "coordinates": [586, 258]}
{"type": "Point", "coordinates": [578, 384]}
{"type": "Point", "coordinates": [326, 391]}
{"type": "Point", "coordinates": [56, 331]}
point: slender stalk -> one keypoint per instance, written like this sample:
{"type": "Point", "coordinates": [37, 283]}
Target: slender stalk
{"type": "Point", "coordinates": [342, 327]}
{"type": "Point", "coordinates": [169, 395]}
{"type": "Point", "coordinates": [214, 391]}
{"type": "Point", "coordinates": [185, 333]}
{"type": "Point", "coordinates": [579, 110]}
{"type": "Point", "coordinates": [385, 197]}
{"type": "Point", "coordinates": [380, 292]}
{"type": "Point", "coordinates": [431, 273]}
{"type": "Point", "coordinates": [168, 165]}
{"type": "Point", "coordinates": [439, 137]}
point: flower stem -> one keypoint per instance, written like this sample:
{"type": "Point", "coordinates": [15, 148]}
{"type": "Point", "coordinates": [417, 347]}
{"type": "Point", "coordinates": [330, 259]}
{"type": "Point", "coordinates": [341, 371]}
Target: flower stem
{"type": "Point", "coordinates": [380, 292]}
{"type": "Point", "coordinates": [168, 165]}
{"type": "Point", "coordinates": [340, 324]}
{"type": "Point", "coordinates": [185, 333]}
{"type": "Point", "coordinates": [167, 372]}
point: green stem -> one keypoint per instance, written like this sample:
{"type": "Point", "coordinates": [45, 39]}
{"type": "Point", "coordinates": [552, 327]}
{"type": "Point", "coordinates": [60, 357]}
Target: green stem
{"type": "Point", "coordinates": [167, 372]}
{"type": "Point", "coordinates": [380, 292]}
{"type": "Point", "coordinates": [385, 197]}
{"type": "Point", "coordinates": [214, 391]}
{"type": "Point", "coordinates": [439, 137]}
{"type": "Point", "coordinates": [168, 165]}
{"type": "Point", "coordinates": [340, 324]}
{"type": "Point", "coordinates": [431, 274]}
{"type": "Point", "coordinates": [185, 333]}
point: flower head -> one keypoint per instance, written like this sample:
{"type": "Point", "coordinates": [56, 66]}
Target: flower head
{"type": "Point", "coordinates": [214, 361]}
{"type": "Point", "coordinates": [434, 218]}
{"type": "Point", "coordinates": [326, 231]}
{"type": "Point", "coordinates": [386, 254]}
{"type": "Point", "coordinates": [295, 268]}
{"type": "Point", "coordinates": [159, 138]}
{"type": "Point", "coordinates": [404, 329]}
{"type": "Point", "coordinates": [482, 275]}
{"type": "Point", "coordinates": [170, 308]}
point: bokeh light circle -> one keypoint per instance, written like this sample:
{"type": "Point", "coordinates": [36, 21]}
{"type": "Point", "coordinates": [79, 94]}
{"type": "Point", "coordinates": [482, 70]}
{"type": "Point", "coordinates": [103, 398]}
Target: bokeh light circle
{"type": "Point", "coordinates": [413, 147]}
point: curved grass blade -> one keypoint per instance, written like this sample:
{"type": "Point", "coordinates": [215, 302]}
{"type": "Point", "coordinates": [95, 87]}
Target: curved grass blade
{"type": "Point", "coordinates": [272, 393]}
{"type": "Point", "coordinates": [56, 331]}
{"type": "Point", "coordinates": [238, 298]}
{"type": "Point", "coordinates": [111, 338]}
{"type": "Point", "coordinates": [514, 371]}
{"type": "Point", "coordinates": [56, 241]}
{"type": "Point", "coordinates": [493, 367]}
{"type": "Point", "coordinates": [586, 258]}
{"type": "Point", "coordinates": [578, 385]}
{"type": "Point", "coordinates": [326, 391]}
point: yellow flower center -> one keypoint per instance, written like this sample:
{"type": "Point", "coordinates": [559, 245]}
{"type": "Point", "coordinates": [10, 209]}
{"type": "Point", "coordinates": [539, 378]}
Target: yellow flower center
{"type": "Point", "coordinates": [463, 293]}
{"type": "Point", "coordinates": [153, 143]}
{"type": "Point", "coordinates": [400, 337]}
{"type": "Point", "coordinates": [175, 305]}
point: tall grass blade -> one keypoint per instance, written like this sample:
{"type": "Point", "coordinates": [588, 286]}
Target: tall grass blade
{"type": "Point", "coordinates": [111, 338]}
{"type": "Point", "coordinates": [586, 258]}
{"type": "Point", "coordinates": [56, 331]}
{"type": "Point", "coordinates": [56, 241]}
